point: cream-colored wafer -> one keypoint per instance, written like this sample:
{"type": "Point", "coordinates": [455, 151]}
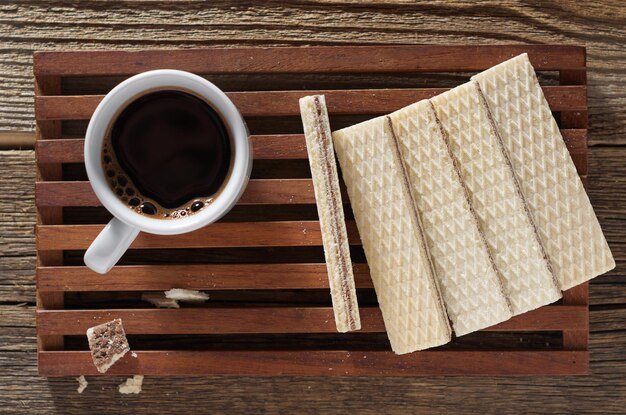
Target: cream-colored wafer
{"type": "Point", "coordinates": [496, 198]}
{"type": "Point", "coordinates": [470, 284]}
{"type": "Point", "coordinates": [396, 251]}
{"type": "Point", "coordinates": [563, 215]}
{"type": "Point", "coordinates": [330, 210]}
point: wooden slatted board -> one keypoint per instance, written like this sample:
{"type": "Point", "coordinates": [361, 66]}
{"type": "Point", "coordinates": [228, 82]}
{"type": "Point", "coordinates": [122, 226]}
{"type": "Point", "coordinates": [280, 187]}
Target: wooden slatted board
{"type": "Point", "coordinates": [263, 264]}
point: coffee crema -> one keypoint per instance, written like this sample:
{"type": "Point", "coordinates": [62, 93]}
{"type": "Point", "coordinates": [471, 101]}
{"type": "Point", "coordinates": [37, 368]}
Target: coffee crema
{"type": "Point", "coordinates": [167, 154]}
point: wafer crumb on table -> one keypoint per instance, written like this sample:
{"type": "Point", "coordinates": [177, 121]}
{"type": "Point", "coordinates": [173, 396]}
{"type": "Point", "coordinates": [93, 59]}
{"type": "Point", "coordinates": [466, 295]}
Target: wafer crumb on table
{"type": "Point", "coordinates": [131, 385]}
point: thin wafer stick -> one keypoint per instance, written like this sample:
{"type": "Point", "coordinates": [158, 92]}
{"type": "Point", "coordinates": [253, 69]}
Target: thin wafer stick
{"type": "Point", "coordinates": [330, 210]}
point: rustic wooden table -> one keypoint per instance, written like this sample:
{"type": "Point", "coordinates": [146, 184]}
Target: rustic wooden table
{"type": "Point", "coordinates": [30, 25]}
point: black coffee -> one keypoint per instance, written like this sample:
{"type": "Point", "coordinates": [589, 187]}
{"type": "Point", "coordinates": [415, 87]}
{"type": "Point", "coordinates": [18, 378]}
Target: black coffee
{"type": "Point", "coordinates": [167, 154]}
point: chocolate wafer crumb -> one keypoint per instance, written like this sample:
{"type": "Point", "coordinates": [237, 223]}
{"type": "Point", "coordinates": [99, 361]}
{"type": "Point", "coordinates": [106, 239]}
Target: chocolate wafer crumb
{"type": "Point", "coordinates": [107, 343]}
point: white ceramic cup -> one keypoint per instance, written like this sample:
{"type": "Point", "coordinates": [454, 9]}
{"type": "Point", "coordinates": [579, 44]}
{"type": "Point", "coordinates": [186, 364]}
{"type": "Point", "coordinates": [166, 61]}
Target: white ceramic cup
{"type": "Point", "coordinates": [122, 230]}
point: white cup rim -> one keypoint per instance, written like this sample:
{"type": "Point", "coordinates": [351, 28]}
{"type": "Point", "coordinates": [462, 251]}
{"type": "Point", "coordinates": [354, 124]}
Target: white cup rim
{"type": "Point", "coordinates": [163, 79]}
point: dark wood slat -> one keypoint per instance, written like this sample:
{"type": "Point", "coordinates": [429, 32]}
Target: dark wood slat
{"type": "Point", "coordinates": [264, 147]}
{"type": "Point", "coordinates": [347, 59]}
{"type": "Point", "coordinates": [285, 103]}
{"type": "Point", "coordinates": [45, 130]}
{"type": "Point", "coordinates": [571, 318]}
{"type": "Point", "coordinates": [207, 320]}
{"type": "Point", "coordinates": [574, 119]}
{"type": "Point", "coordinates": [577, 339]}
{"type": "Point", "coordinates": [221, 234]}
{"type": "Point", "coordinates": [270, 320]}
{"type": "Point", "coordinates": [323, 363]}
{"type": "Point", "coordinates": [195, 277]}
{"type": "Point", "coordinates": [258, 192]}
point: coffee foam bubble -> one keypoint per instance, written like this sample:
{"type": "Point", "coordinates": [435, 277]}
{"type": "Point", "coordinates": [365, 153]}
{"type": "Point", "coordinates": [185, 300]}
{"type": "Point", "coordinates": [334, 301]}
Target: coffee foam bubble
{"type": "Point", "coordinates": [123, 187]}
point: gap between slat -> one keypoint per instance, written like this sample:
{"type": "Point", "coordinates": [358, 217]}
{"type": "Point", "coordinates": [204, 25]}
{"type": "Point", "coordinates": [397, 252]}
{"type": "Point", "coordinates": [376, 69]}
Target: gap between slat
{"type": "Point", "coordinates": [258, 192]}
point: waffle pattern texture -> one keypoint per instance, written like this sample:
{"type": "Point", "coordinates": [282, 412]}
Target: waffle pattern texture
{"type": "Point", "coordinates": [396, 252]}
{"type": "Point", "coordinates": [560, 208]}
{"type": "Point", "coordinates": [468, 279]}
{"type": "Point", "coordinates": [496, 199]}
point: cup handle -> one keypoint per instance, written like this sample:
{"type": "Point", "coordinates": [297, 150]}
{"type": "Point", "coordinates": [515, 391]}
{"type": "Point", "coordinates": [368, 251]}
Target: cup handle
{"type": "Point", "coordinates": [109, 246]}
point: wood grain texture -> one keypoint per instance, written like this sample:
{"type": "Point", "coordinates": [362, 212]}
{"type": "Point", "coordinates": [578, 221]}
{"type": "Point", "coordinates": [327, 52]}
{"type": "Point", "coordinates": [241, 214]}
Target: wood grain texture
{"type": "Point", "coordinates": [45, 130]}
{"type": "Point", "coordinates": [214, 320]}
{"type": "Point", "coordinates": [335, 363]}
{"type": "Point", "coordinates": [258, 192]}
{"type": "Point", "coordinates": [285, 103]}
{"type": "Point", "coordinates": [31, 25]}
{"type": "Point", "coordinates": [316, 59]}
{"type": "Point", "coordinates": [220, 234]}
{"type": "Point", "coordinates": [194, 277]}
{"type": "Point", "coordinates": [55, 235]}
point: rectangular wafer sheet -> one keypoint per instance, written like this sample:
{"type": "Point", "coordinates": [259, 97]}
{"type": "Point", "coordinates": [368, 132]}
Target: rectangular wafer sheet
{"type": "Point", "coordinates": [565, 220]}
{"type": "Point", "coordinates": [469, 282]}
{"type": "Point", "coordinates": [495, 197]}
{"type": "Point", "coordinates": [401, 271]}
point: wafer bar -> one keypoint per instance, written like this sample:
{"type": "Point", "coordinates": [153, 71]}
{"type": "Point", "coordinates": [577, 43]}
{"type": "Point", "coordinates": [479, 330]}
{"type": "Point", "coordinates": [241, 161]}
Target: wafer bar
{"type": "Point", "coordinates": [560, 208]}
{"type": "Point", "coordinates": [389, 227]}
{"type": "Point", "coordinates": [469, 282]}
{"type": "Point", "coordinates": [107, 343]}
{"type": "Point", "coordinates": [330, 210]}
{"type": "Point", "coordinates": [503, 217]}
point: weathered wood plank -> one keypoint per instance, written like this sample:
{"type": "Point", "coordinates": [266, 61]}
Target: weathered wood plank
{"type": "Point", "coordinates": [30, 26]}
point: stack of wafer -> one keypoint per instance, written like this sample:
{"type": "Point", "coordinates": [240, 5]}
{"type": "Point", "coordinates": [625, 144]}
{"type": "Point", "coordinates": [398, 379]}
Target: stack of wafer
{"type": "Point", "coordinates": [470, 284]}
{"type": "Point", "coordinates": [392, 237]}
{"type": "Point", "coordinates": [565, 220]}
{"type": "Point", "coordinates": [496, 198]}
{"type": "Point", "coordinates": [468, 206]}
